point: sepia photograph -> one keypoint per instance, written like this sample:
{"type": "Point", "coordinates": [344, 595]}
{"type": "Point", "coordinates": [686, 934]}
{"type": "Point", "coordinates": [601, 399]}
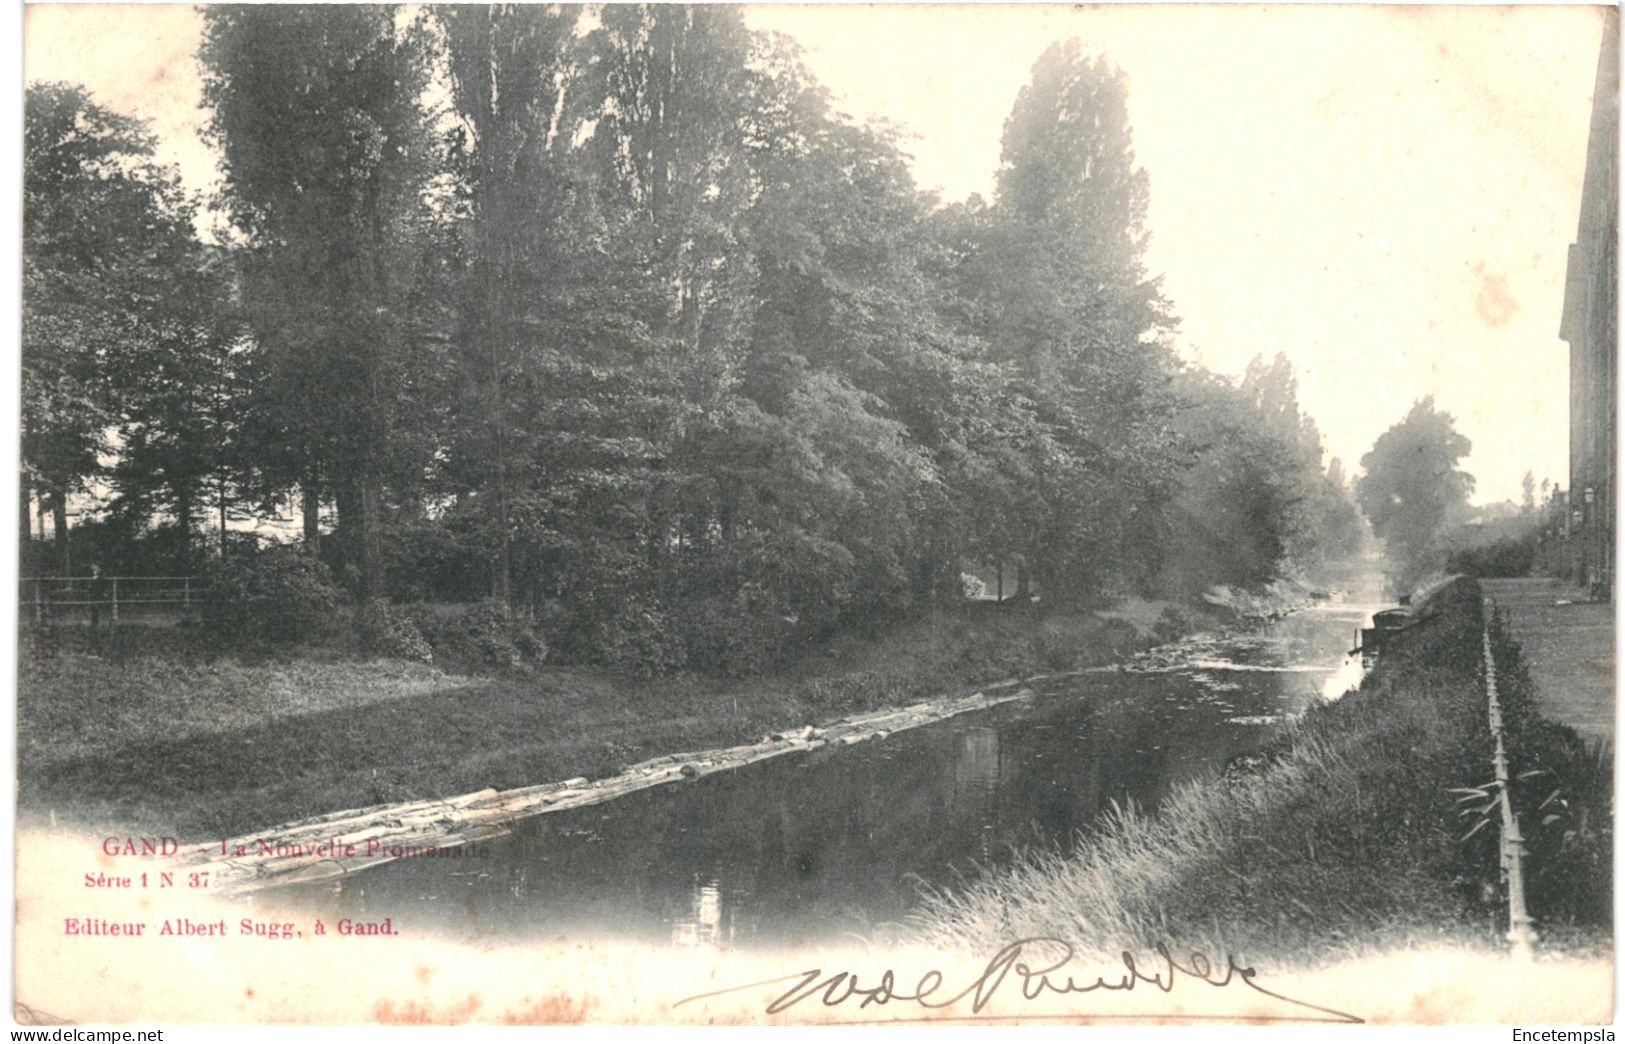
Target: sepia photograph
{"type": "Point", "coordinates": [811, 514]}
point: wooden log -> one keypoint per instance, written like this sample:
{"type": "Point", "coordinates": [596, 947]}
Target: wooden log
{"type": "Point", "coordinates": [412, 828]}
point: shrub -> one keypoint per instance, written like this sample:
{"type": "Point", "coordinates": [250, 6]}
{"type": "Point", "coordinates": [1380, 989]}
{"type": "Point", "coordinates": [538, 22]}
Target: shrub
{"type": "Point", "coordinates": [751, 605]}
{"type": "Point", "coordinates": [1055, 647]}
{"type": "Point", "coordinates": [278, 595]}
{"type": "Point", "coordinates": [1172, 625]}
{"type": "Point", "coordinates": [434, 561]}
{"type": "Point", "coordinates": [1565, 810]}
{"type": "Point", "coordinates": [1511, 557]}
{"type": "Point", "coordinates": [385, 630]}
{"type": "Point", "coordinates": [642, 641]}
{"type": "Point", "coordinates": [484, 634]}
{"type": "Point", "coordinates": [737, 635]}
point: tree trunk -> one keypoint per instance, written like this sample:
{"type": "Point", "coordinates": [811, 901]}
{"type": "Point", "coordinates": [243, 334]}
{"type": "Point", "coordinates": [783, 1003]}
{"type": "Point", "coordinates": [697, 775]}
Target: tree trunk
{"type": "Point", "coordinates": [502, 567]}
{"type": "Point", "coordinates": [184, 511]}
{"type": "Point", "coordinates": [926, 575]}
{"type": "Point", "coordinates": [493, 327]}
{"type": "Point", "coordinates": [222, 495]}
{"type": "Point", "coordinates": [311, 503]}
{"type": "Point", "coordinates": [371, 564]}
{"type": "Point", "coordinates": [59, 523]}
{"type": "Point", "coordinates": [362, 525]}
{"type": "Point", "coordinates": [348, 534]}
{"type": "Point", "coordinates": [1023, 582]}
{"type": "Point", "coordinates": [25, 520]}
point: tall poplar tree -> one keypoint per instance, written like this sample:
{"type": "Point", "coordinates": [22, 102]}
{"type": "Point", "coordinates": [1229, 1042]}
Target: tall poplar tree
{"type": "Point", "coordinates": [1068, 312]}
{"type": "Point", "coordinates": [510, 67]}
{"type": "Point", "coordinates": [327, 163]}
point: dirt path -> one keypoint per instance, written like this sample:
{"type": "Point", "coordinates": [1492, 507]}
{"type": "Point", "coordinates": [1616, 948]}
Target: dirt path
{"type": "Point", "coordinates": [1568, 646]}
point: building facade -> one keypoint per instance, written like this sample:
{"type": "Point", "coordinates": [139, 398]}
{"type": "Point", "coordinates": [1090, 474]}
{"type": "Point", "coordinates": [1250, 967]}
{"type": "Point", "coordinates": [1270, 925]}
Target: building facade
{"type": "Point", "coordinates": [1590, 326]}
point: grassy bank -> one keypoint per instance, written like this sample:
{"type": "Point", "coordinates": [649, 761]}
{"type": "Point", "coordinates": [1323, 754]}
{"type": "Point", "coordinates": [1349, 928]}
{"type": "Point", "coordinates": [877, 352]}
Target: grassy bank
{"type": "Point", "coordinates": [1563, 793]}
{"type": "Point", "coordinates": [145, 730]}
{"type": "Point", "coordinates": [1346, 839]}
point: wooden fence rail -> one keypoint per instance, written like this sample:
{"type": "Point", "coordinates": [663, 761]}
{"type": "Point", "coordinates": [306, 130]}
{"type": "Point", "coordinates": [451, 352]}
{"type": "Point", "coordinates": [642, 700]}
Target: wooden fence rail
{"type": "Point", "coordinates": [44, 594]}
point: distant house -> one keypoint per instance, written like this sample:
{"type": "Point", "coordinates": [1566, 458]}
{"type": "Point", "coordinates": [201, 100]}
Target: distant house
{"type": "Point", "coordinates": [1590, 304]}
{"type": "Point", "coordinates": [1484, 529]}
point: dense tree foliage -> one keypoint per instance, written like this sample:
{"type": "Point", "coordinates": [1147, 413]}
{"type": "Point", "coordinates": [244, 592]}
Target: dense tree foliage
{"type": "Point", "coordinates": [1413, 490]}
{"type": "Point", "coordinates": [1254, 496]}
{"type": "Point", "coordinates": [327, 163]}
{"type": "Point", "coordinates": [615, 320]}
{"type": "Point", "coordinates": [126, 326]}
{"type": "Point", "coordinates": [1058, 296]}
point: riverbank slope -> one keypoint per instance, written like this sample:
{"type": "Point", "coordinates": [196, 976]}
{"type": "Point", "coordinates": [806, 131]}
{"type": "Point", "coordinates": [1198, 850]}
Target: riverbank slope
{"type": "Point", "coordinates": [139, 732]}
{"type": "Point", "coordinates": [1364, 829]}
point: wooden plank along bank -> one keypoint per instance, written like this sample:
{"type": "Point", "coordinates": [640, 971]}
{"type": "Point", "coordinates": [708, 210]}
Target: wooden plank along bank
{"type": "Point", "coordinates": [341, 843]}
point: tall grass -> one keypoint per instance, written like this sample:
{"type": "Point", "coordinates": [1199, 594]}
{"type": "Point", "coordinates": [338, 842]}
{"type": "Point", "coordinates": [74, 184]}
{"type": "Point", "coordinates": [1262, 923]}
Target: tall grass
{"type": "Point", "coordinates": [1345, 841]}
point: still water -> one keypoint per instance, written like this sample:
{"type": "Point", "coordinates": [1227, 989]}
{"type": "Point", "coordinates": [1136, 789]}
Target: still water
{"type": "Point", "coordinates": [835, 844]}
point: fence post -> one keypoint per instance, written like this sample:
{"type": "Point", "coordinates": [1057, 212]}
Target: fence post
{"type": "Point", "coordinates": [115, 601]}
{"type": "Point", "coordinates": [39, 610]}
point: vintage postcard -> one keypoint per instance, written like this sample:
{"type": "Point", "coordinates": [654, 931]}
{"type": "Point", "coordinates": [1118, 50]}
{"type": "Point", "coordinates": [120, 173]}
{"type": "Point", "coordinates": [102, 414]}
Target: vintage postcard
{"type": "Point", "coordinates": [795, 514]}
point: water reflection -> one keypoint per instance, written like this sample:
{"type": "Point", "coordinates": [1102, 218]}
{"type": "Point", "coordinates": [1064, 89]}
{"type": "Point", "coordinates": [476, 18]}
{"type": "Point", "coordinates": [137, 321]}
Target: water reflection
{"type": "Point", "coordinates": [975, 782]}
{"type": "Point", "coordinates": [836, 843]}
{"type": "Point", "coordinates": [1345, 679]}
{"type": "Point", "coordinates": [704, 925]}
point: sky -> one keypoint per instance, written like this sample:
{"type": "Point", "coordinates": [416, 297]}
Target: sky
{"type": "Point", "coordinates": [1384, 194]}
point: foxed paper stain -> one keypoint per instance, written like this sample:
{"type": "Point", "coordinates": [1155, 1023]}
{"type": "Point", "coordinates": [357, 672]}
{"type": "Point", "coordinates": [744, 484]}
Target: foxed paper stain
{"type": "Point", "coordinates": [1494, 303]}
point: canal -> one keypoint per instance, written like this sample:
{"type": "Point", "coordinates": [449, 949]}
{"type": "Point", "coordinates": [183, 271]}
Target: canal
{"type": "Point", "coordinates": [835, 845]}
